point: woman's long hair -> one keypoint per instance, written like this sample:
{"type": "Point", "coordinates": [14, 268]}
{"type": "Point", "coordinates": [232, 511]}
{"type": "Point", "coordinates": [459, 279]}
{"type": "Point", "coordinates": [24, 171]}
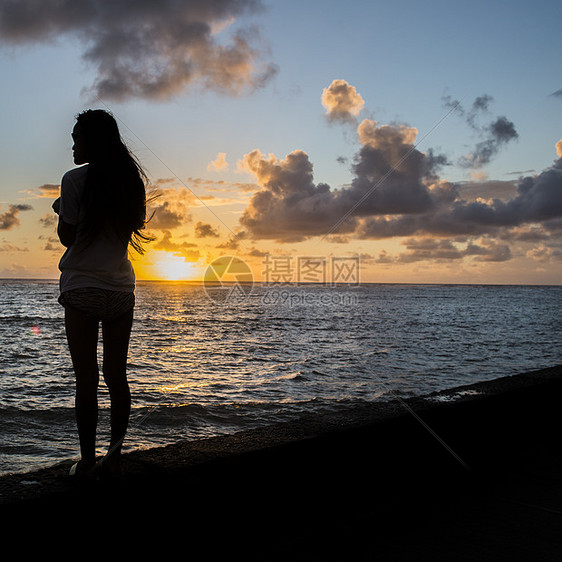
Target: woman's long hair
{"type": "Point", "coordinates": [115, 191]}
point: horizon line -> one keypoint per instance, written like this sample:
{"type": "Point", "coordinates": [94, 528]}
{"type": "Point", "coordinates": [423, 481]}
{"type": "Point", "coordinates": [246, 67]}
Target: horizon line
{"type": "Point", "coordinates": [309, 283]}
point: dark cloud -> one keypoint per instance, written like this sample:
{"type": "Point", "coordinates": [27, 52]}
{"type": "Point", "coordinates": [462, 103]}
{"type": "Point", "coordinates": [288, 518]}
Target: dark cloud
{"type": "Point", "coordinates": [490, 252]}
{"type": "Point", "coordinates": [166, 217]}
{"type": "Point", "coordinates": [185, 249]}
{"type": "Point", "coordinates": [49, 190]}
{"type": "Point", "coordinates": [290, 206]}
{"type": "Point", "coordinates": [233, 243]}
{"type": "Point", "coordinates": [526, 233]}
{"type": "Point", "coordinates": [484, 189]}
{"type": "Point", "coordinates": [9, 218]}
{"type": "Point", "coordinates": [49, 220]}
{"type": "Point", "coordinates": [440, 250]}
{"type": "Point", "coordinates": [557, 94]}
{"type": "Point", "coordinates": [538, 200]}
{"type": "Point", "coordinates": [254, 252]}
{"type": "Point", "coordinates": [520, 173]}
{"type": "Point", "coordinates": [149, 49]}
{"type": "Point", "coordinates": [390, 177]}
{"type": "Point", "coordinates": [429, 249]}
{"type": "Point", "coordinates": [499, 133]}
{"type": "Point", "coordinates": [52, 245]}
{"type": "Point", "coordinates": [170, 206]}
{"type": "Point", "coordinates": [396, 191]}
{"type": "Point", "coordinates": [495, 134]}
{"type": "Point", "coordinates": [203, 230]}
{"type": "Point", "coordinates": [479, 105]}
{"type": "Point", "coordinates": [390, 172]}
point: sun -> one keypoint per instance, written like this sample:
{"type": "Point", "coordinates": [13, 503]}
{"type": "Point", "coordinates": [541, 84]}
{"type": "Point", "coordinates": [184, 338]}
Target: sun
{"type": "Point", "coordinates": [169, 267]}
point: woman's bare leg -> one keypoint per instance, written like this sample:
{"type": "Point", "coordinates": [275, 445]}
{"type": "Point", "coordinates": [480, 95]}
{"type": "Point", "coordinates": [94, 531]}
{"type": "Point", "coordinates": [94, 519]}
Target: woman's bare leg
{"type": "Point", "coordinates": [116, 335]}
{"type": "Point", "coordinates": [82, 337]}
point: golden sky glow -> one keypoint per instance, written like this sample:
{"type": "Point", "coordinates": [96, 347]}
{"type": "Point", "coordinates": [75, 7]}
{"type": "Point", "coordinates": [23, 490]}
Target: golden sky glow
{"type": "Point", "coordinates": [165, 266]}
{"type": "Point", "coordinates": [446, 171]}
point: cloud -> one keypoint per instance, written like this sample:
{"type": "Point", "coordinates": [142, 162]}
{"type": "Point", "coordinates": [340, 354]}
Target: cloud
{"type": "Point", "coordinates": [203, 230]}
{"type": "Point", "coordinates": [483, 189]}
{"type": "Point", "coordinates": [480, 104]}
{"type": "Point", "coordinates": [289, 207]}
{"type": "Point", "coordinates": [526, 233]}
{"type": "Point", "coordinates": [396, 191]}
{"type": "Point", "coordinates": [49, 220]}
{"type": "Point", "coordinates": [52, 245]}
{"type": "Point", "coordinates": [544, 254]}
{"type": "Point", "coordinates": [49, 190]}
{"type": "Point", "coordinates": [538, 199]}
{"type": "Point", "coordinates": [341, 101]}
{"type": "Point", "coordinates": [221, 185]}
{"type": "Point", "coordinates": [219, 163]}
{"type": "Point", "coordinates": [256, 253]}
{"type": "Point", "coordinates": [495, 134]}
{"type": "Point", "coordinates": [559, 148]}
{"type": "Point", "coordinates": [165, 217]}
{"type": "Point", "coordinates": [185, 249]}
{"type": "Point", "coordinates": [428, 248]}
{"type": "Point", "coordinates": [170, 207]}
{"type": "Point", "coordinates": [489, 251]}
{"type": "Point", "coordinates": [499, 133]}
{"type": "Point", "coordinates": [384, 258]}
{"type": "Point", "coordinates": [233, 243]}
{"type": "Point", "coordinates": [390, 173]}
{"type": "Point", "coordinates": [557, 94]}
{"type": "Point", "coordinates": [151, 50]}
{"type": "Point", "coordinates": [9, 247]}
{"type": "Point", "coordinates": [14, 270]}
{"type": "Point", "coordinates": [9, 218]}
{"type": "Point", "coordinates": [440, 250]}
{"type": "Point", "coordinates": [390, 177]}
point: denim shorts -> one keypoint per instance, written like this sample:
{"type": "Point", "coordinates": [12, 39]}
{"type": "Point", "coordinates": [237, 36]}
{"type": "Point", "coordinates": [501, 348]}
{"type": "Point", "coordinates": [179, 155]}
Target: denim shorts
{"type": "Point", "coordinates": [99, 304]}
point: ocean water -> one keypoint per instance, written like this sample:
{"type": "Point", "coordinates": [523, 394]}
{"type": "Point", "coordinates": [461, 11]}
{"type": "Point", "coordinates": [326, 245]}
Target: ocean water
{"type": "Point", "coordinates": [202, 366]}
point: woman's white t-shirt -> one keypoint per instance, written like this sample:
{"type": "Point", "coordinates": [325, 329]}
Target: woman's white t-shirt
{"type": "Point", "coordinates": [104, 262]}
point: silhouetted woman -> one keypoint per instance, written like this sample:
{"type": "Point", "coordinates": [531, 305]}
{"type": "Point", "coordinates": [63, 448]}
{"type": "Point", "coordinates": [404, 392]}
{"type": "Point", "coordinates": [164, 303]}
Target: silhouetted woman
{"type": "Point", "coordinates": [102, 211]}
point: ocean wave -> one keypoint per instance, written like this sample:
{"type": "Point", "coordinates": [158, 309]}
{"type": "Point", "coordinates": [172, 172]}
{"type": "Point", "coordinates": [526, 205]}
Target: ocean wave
{"type": "Point", "coordinates": [202, 369]}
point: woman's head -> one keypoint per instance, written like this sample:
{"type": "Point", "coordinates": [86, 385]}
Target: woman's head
{"type": "Point", "coordinates": [96, 137]}
{"type": "Point", "coordinates": [115, 184]}
{"type": "Point", "coordinates": [79, 151]}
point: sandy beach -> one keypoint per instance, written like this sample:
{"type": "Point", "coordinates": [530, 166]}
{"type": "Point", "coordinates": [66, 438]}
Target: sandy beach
{"type": "Point", "coordinates": [472, 473]}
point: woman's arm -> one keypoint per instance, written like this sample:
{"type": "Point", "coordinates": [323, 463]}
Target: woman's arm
{"type": "Point", "coordinates": [66, 232]}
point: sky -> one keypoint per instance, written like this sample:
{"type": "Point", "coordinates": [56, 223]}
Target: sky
{"type": "Point", "coordinates": [420, 141]}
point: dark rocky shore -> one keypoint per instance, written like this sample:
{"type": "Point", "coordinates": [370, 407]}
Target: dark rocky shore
{"type": "Point", "coordinates": [472, 473]}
